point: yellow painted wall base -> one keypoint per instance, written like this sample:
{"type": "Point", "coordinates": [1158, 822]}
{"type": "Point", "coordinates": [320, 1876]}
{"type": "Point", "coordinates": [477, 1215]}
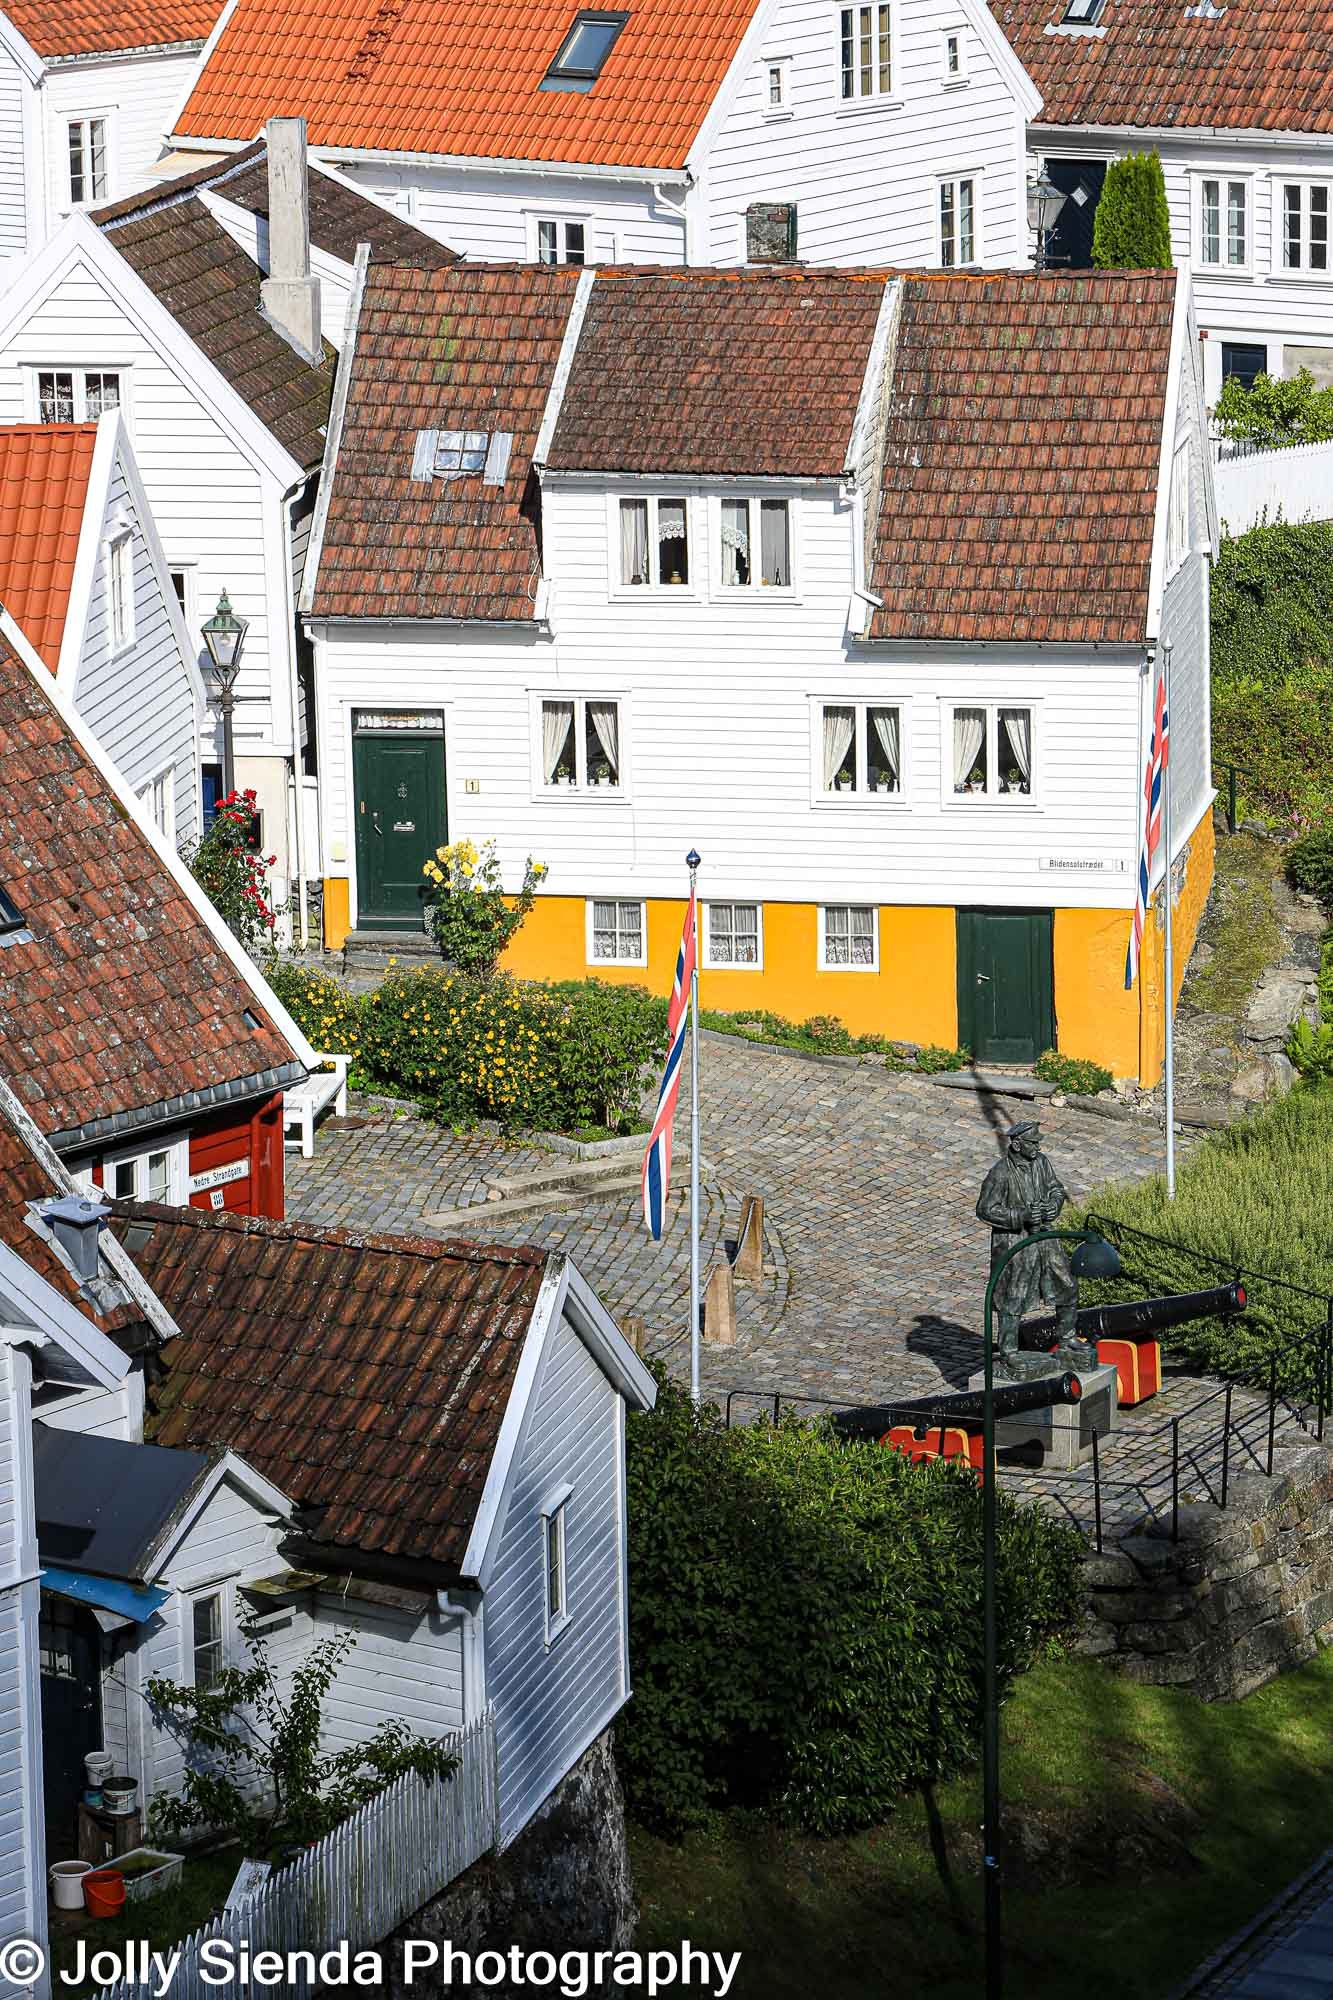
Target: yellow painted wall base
{"type": "Point", "coordinates": [1095, 1018]}
{"type": "Point", "coordinates": [337, 911]}
{"type": "Point", "coordinates": [1188, 913]}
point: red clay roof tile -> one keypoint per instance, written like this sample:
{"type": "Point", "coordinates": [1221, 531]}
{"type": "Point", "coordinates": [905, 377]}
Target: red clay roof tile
{"type": "Point", "coordinates": [44, 471]}
{"type": "Point", "coordinates": [105, 27]}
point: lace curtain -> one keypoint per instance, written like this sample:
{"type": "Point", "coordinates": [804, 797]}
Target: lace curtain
{"type": "Point", "coordinates": [969, 733]}
{"type": "Point", "coordinates": [839, 729]}
{"type": "Point", "coordinates": [557, 728]}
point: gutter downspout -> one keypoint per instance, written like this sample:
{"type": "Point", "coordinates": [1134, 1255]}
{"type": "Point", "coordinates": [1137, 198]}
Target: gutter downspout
{"type": "Point", "coordinates": [680, 209]}
{"type": "Point", "coordinates": [288, 504]}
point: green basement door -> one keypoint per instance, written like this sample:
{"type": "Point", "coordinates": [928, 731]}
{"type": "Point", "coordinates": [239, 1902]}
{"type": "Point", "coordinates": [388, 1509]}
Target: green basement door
{"type": "Point", "coordinates": [400, 821]}
{"type": "Point", "coordinates": [1006, 984]}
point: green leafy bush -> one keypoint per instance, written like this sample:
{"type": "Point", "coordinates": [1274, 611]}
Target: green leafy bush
{"type": "Point", "coordinates": [933, 1060]}
{"type": "Point", "coordinates": [1131, 230]}
{"type": "Point", "coordinates": [825, 1034]}
{"type": "Point", "coordinates": [233, 876]}
{"type": "Point", "coordinates": [610, 1041]}
{"type": "Point", "coordinates": [1275, 412]}
{"type": "Point", "coordinates": [1081, 1079]}
{"type": "Point", "coordinates": [324, 1010]}
{"type": "Point", "coordinates": [805, 1618]}
{"type": "Point", "coordinates": [1310, 865]}
{"type": "Point", "coordinates": [468, 915]}
{"type": "Point", "coordinates": [488, 1047]}
{"type": "Point", "coordinates": [1310, 1051]}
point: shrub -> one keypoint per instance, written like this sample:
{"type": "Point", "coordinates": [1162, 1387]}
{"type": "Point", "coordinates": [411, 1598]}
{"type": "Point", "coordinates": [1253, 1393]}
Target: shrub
{"type": "Point", "coordinates": [1310, 865]}
{"type": "Point", "coordinates": [469, 915]}
{"type": "Point", "coordinates": [479, 1048]}
{"type": "Point", "coordinates": [233, 876]}
{"type": "Point", "coordinates": [327, 1014]}
{"type": "Point", "coordinates": [1275, 412]}
{"type": "Point", "coordinates": [1310, 1051]}
{"type": "Point", "coordinates": [610, 1041]}
{"type": "Point", "coordinates": [1082, 1079]}
{"type": "Point", "coordinates": [1131, 230]}
{"type": "Point", "coordinates": [804, 1617]}
{"type": "Point", "coordinates": [933, 1059]}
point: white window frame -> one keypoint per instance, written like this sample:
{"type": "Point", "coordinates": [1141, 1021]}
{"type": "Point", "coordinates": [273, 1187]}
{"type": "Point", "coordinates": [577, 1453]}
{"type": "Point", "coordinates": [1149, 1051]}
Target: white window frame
{"type": "Point", "coordinates": [756, 589]}
{"type": "Point", "coordinates": [158, 799]}
{"type": "Point", "coordinates": [120, 619]}
{"type": "Point", "coordinates": [106, 116]}
{"type": "Point", "coordinates": [668, 593]}
{"type": "Point", "coordinates": [710, 960]}
{"type": "Point", "coordinates": [769, 68]}
{"type": "Point", "coordinates": [1225, 182]}
{"type": "Point", "coordinates": [1302, 273]}
{"type": "Point", "coordinates": [187, 568]}
{"type": "Point", "coordinates": [878, 98]}
{"type": "Point", "coordinates": [78, 373]}
{"type": "Point", "coordinates": [590, 907]}
{"type": "Point", "coordinates": [1178, 540]}
{"type": "Point", "coordinates": [824, 965]}
{"type": "Point", "coordinates": [992, 797]}
{"type": "Point", "coordinates": [222, 1592]}
{"type": "Point", "coordinates": [582, 787]}
{"type": "Point", "coordinates": [562, 218]}
{"type": "Point", "coordinates": [862, 796]}
{"type": "Point", "coordinates": [178, 1169]}
{"type": "Point", "coordinates": [956, 36]}
{"type": "Point", "coordinates": [955, 181]}
{"type": "Point", "coordinates": [554, 1516]}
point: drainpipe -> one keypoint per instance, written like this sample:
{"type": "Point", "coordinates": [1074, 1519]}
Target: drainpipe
{"type": "Point", "coordinates": [676, 208]}
{"type": "Point", "coordinates": [288, 504]}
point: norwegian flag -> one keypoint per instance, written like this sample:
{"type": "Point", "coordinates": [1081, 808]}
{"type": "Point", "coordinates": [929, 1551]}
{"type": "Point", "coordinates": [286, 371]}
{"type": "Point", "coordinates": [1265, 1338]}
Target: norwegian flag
{"type": "Point", "coordinates": [657, 1159]}
{"type": "Point", "coordinates": [1153, 780]}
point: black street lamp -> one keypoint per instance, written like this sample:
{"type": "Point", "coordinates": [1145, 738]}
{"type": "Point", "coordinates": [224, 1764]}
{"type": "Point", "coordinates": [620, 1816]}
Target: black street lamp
{"type": "Point", "coordinates": [1094, 1258]}
{"type": "Point", "coordinates": [1045, 201]}
{"type": "Point", "coordinates": [224, 636]}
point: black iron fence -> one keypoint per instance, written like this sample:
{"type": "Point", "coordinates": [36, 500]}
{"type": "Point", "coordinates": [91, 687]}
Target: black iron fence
{"type": "Point", "coordinates": [1230, 773]}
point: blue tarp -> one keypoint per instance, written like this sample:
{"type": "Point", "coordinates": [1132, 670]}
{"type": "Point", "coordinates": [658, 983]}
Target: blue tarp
{"type": "Point", "coordinates": [127, 1600]}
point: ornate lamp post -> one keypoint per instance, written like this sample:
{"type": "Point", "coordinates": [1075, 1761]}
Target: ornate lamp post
{"type": "Point", "coordinates": [1094, 1258]}
{"type": "Point", "coordinates": [224, 636]}
{"type": "Point", "coordinates": [1045, 201]}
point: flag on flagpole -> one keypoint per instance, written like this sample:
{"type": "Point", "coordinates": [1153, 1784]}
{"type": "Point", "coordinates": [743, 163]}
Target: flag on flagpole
{"type": "Point", "coordinates": [1153, 779]}
{"type": "Point", "coordinates": [657, 1159]}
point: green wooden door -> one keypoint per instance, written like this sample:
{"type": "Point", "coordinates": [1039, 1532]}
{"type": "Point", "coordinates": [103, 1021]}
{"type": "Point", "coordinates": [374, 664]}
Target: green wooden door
{"type": "Point", "coordinates": [1006, 981]}
{"type": "Point", "coordinates": [400, 821]}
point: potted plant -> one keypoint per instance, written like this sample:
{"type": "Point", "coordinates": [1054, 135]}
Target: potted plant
{"type": "Point", "coordinates": [844, 781]}
{"type": "Point", "coordinates": [563, 775]}
{"type": "Point", "coordinates": [976, 779]}
{"type": "Point", "coordinates": [885, 783]}
{"type": "Point", "coordinates": [1013, 780]}
{"type": "Point", "coordinates": [601, 772]}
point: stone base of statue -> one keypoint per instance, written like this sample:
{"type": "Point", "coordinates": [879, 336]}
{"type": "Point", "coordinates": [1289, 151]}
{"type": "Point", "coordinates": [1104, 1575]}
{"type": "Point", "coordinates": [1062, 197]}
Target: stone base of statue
{"type": "Point", "coordinates": [1064, 1431]}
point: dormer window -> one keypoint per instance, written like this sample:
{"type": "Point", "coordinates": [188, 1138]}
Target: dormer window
{"type": "Point", "coordinates": [1080, 13]}
{"type": "Point", "coordinates": [578, 63]}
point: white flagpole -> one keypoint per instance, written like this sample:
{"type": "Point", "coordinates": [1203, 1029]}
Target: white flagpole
{"type": "Point", "coordinates": [1168, 953]}
{"type": "Point", "coordinates": [692, 860]}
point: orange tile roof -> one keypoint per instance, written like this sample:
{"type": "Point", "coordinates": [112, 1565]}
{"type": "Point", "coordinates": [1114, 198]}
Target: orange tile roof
{"type": "Point", "coordinates": [101, 27]}
{"type": "Point", "coordinates": [457, 77]}
{"type": "Point", "coordinates": [44, 471]}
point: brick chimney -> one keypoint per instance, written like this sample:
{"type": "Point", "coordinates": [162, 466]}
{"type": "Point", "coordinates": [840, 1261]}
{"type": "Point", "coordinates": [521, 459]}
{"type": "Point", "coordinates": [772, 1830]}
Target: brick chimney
{"type": "Point", "coordinates": [289, 295]}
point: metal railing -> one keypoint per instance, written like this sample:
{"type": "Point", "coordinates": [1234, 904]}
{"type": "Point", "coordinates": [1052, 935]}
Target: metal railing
{"type": "Point", "coordinates": [1234, 771]}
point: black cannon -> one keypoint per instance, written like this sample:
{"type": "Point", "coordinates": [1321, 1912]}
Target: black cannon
{"type": "Point", "coordinates": [963, 1411]}
{"type": "Point", "coordinates": [1138, 1319]}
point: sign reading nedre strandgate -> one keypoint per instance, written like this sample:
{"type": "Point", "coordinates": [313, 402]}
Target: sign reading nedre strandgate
{"type": "Point", "coordinates": [213, 1177]}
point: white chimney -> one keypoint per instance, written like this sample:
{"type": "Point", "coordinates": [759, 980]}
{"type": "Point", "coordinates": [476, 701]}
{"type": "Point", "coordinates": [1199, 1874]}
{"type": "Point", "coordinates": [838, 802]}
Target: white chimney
{"type": "Point", "coordinates": [289, 294]}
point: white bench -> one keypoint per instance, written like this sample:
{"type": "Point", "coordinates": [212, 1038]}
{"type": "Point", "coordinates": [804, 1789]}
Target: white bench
{"type": "Point", "coordinates": [302, 1104]}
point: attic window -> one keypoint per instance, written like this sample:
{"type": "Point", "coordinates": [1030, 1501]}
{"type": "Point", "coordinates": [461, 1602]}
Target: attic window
{"type": "Point", "coordinates": [580, 57]}
{"type": "Point", "coordinates": [1080, 13]}
{"type": "Point", "coordinates": [457, 454]}
{"type": "Point", "coordinates": [11, 916]}
{"type": "Point", "coordinates": [459, 451]}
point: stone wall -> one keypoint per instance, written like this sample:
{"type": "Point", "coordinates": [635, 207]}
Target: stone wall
{"type": "Point", "coordinates": [1244, 1594]}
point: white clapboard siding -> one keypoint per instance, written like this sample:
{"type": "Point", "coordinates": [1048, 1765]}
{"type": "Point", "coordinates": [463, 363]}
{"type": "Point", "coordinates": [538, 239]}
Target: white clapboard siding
{"type": "Point", "coordinates": [22, 1864]}
{"type": "Point", "coordinates": [1185, 621]}
{"type": "Point", "coordinates": [114, 1413]}
{"type": "Point", "coordinates": [11, 1443]}
{"type": "Point", "coordinates": [14, 87]}
{"type": "Point", "coordinates": [551, 1701]}
{"type": "Point", "coordinates": [401, 1669]}
{"type": "Point", "coordinates": [140, 701]}
{"type": "Point", "coordinates": [865, 180]}
{"type": "Point", "coordinates": [489, 216]}
{"type": "Point", "coordinates": [136, 95]}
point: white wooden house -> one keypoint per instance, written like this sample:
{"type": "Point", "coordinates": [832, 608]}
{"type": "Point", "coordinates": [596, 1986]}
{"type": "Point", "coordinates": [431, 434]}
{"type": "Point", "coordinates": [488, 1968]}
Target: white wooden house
{"type": "Point", "coordinates": [877, 131]}
{"type": "Point", "coordinates": [1245, 134]}
{"type": "Point", "coordinates": [87, 94]}
{"type": "Point", "coordinates": [879, 651]}
{"type": "Point", "coordinates": [83, 576]}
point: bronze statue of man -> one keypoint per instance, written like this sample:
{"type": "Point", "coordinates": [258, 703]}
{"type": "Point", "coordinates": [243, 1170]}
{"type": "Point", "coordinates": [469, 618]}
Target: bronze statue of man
{"type": "Point", "coordinates": [1021, 1194]}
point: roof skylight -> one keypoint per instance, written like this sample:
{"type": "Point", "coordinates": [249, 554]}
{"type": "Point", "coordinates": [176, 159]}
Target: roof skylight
{"type": "Point", "coordinates": [580, 57]}
{"type": "Point", "coordinates": [11, 916]}
{"type": "Point", "coordinates": [1080, 13]}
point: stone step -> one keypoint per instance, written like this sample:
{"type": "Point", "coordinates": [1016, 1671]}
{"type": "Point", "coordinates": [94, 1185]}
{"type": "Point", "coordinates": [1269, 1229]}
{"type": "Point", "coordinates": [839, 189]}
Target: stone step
{"type": "Point", "coordinates": [562, 1184]}
{"type": "Point", "coordinates": [370, 954]}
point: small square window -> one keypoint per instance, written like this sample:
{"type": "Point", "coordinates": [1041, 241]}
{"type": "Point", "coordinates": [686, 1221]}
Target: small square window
{"type": "Point", "coordinates": [859, 749]}
{"type": "Point", "coordinates": [955, 56]}
{"type": "Point", "coordinates": [850, 937]}
{"type": "Point", "coordinates": [1080, 13]}
{"type": "Point", "coordinates": [207, 1646]}
{"type": "Point", "coordinates": [460, 451]}
{"type": "Point", "coordinates": [76, 395]}
{"type": "Point", "coordinates": [560, 241]}
{"type": "Point", "coordinates": [734, 935]}
{"type": "Point", "coordinates": [992, 751]}
{"type": "Point", "coordinates": [777, 86]}
{"type": "Point", "coordinates": [55, 396]}
{"type": "Point", "coordinates": [580, 745]}
{"type": "Point", "coordinates": [617, 933]}
{"type": "Point", "coordinates": [581, 56]}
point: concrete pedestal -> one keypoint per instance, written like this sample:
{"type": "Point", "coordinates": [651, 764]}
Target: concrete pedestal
{"type": "Point", "coordinates": [1064, 1431]}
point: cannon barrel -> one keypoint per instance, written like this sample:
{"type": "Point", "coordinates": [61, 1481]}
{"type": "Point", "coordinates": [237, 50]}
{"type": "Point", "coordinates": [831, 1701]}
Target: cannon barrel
{"type": "Point", "coordinates": [1136, 1316]}
{"type": "Point", "coordinates": [966, 1409]}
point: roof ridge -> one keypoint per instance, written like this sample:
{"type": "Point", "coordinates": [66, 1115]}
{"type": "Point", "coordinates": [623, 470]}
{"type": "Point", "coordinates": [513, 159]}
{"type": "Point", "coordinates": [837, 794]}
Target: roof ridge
{"type": "Point", "coordinates": [185, 187]}
{"type": "Point", "coordinates": [389, 1242]}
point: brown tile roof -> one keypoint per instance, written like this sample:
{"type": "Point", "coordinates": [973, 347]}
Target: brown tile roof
{"type": "Point", "coordinates": [120, 1002]}
{"type": "Point", "coordinates": [717, 372]}
{"type": "Point", "coordinates": [44, 473]}
{"type": "Point", "coordinates": [23, 1180]}
{"type": "Point", "coordinates": [365, 1375]}
{"type": "Point", "coordinates": [473, 347]}
{"type": "Point", "coordinates": [1021, 457]}
{"type": "Point", "coordinates": [105, 27]}
{"type": "Point", "coordinates": [1260, 65]}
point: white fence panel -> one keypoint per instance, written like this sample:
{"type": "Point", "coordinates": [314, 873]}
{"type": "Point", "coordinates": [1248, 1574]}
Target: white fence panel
{"type": "Point", "coordinates": [1296, 482]}
{"type": "Point", "coordinates": [365, 1878]}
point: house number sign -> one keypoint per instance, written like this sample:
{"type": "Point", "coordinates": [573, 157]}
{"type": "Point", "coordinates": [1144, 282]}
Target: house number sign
{"type": "Point", "coordinates": [404, 826]}
{"type": "Point", "coordinates": [215, 1177]}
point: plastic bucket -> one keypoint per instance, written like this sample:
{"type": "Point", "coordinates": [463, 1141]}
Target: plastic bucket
{"type": "Point", "coordinates": [104, 1893]}
{"type": "Point", "coordinates": [92, 1796]}
{"type": "Point", "coordinates": [119, 1794]}
{"type": "Point", "coordinates": [99, 1764]}
{"type": "Point", "coordinates": [67, 1879]}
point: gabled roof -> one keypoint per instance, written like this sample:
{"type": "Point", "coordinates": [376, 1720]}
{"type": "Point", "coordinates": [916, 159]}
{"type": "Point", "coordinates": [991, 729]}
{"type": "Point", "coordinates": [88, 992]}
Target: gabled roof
{"type": "Point", "coordinates": [453, 77]}
{"type": "Point", "coordinates": [1253, 65]}
{"type": "Point", "coordinates": [110, 27]}
{"type": "Point", "coordinates": [473, 347]}
{"type": "Point", "coordinates": [367, 1376]}
{"type": "Point", "coordinates": [104, 1504]}
{"type": "Point", "coordinates": [44, 476]}
{"type": "Point", "coordinates": [1022, 456]}
{"type": "Point", "coordinates": [118, 1007]}
{"type": "Point", "coordinates": [718, 372]}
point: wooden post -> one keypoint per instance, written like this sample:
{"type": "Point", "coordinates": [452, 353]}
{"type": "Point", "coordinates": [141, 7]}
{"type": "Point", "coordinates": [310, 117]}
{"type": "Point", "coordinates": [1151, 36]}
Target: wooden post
{"type": "Point", "coordinates": [636, 1333]}
{"type": "Point", "coordinates": [750, 1248]}
{"type": "Point", "coordinates": [720, 1307]}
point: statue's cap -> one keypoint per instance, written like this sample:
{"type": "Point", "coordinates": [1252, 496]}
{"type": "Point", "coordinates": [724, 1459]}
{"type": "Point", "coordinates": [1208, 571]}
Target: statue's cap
{"type": "Point", "coordinates": [1025, 1125]}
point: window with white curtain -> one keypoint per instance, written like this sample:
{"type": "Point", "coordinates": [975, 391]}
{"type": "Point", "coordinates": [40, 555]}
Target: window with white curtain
{"type": "Point", "coordinates": [76, 395]}
{"type": "Point", "coordinates": [654, 542]}
{"type": "Point", "coordinates": [859, 749]}
{"type": "Point", "coordinates": [958, 222]}
{"type": "Point", "coordinates": [734, 935]}
{"type": "Point", "coordinates": [580, 745]}
{"type": "Point", "coordinates": [617, 933]}
{"type": "Point", "coordinates": [756, 544]}
{"type": "Point", "coordinates": [849, 937]}
{"type": "Point", "coordinates": [988, 750]}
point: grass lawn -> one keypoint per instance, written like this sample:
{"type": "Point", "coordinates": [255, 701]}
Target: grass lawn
{"type": "Point", "coordinates": [1148, 1827]}
{"type": "Point", "coordinates": [163, 1920]}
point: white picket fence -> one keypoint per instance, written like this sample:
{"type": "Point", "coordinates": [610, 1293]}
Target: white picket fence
{"type": "Point", "coordinates": [1295, 482]}
{"type": "Point", "coordinates": [366, 1877]}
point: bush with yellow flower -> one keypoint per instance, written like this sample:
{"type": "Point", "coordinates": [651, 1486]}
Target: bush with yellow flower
{"type": "Point", "coordinates": [468, 914]}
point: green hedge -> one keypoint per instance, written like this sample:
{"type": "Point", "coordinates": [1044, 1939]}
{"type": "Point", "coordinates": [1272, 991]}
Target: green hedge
{"type": "Point", "coordinates": [1131, 230]}
{"type": "Point", "coordinates": [1273, 413]}
{"type": "Point", "coordinates": [825, 1035]}
{"type": "Point", "coordinates": [805, 1618]}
